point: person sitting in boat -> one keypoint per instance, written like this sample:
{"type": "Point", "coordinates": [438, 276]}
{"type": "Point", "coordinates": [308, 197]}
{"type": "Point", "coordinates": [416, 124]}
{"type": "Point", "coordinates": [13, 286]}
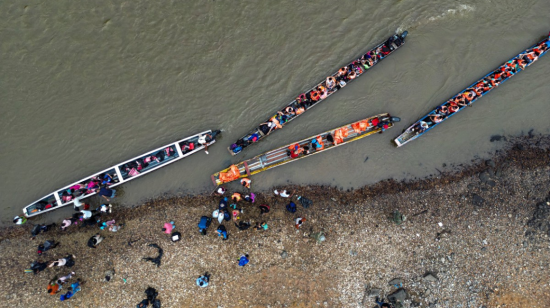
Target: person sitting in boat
{"type": "Point", "coordinates": [323, 92]}
{"type": "Point", "coordinates": [420, 127]}
{"type": "Point", "coordinates": [289, 113]}
{"type": "Point", "coordinates": [357, 67]}
{"type": "Point", "coordinates": [352, 75]}
{"type": "Point", "coordinates": [367, 61]}
{"type": "Point", "coordinates": [187, 146]}
{"type": "Point", "coordinates": [317, 143]}
{"type": "Point", "coordinates": [436, 118]}
{"type": "Point", "coordinates": [453, 107]}
{"type": "Point", "coordinates": [442, 110]}
{"type": "Point", "coordinates": [107, 179]}
{"type": "Point", "coordinates": [330, 82]}
{"type": "Point", "coordinates": [315, 95]}
{"type": "Point", "coordinates": [141, 164]}
{"type": "Point", "coordinates": [269, 126]}
{"type": "Point", "coordinates": [294, 150]}
{"type": "Point", "coordinates": [343, 71]}
{"type": "Point", "coordinates": [94, 182]}
{"type": "Point", "coordinates": [150, 159]}
{"type": "Point", "coordinates": [469, 95]}
{"type": "Point", "coordinates": [329, 138]}
{"type": "Point", "coordinates": [67, 195]}
{"type": "Point", "coordinates": [385, 50]}
{"type": "Point", "coordinates": [204, 140]}
{"type": "Point", "coordinates": [383, 125]}
{"type": "Point", "coordinates": [169, 151]}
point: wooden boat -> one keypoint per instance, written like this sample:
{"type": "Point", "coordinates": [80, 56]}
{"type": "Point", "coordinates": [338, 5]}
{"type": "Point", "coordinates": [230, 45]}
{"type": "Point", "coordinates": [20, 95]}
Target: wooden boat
{"type": "Point", "coordinates": [307, 100]}
{"type": "Point", "coordinates": [283, 155]}
{"type": "Point", "coordinates": [473, 92]}
{"type": "Point", "coordinates": [119, 174]}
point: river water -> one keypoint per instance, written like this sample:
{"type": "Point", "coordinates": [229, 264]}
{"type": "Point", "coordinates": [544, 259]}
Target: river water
{"type": "Point", "coordinates": [86, 85]}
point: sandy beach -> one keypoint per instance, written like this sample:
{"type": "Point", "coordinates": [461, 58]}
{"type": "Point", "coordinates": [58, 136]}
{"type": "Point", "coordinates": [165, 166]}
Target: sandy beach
{"type": "Point", "coordinates": [474, 237]}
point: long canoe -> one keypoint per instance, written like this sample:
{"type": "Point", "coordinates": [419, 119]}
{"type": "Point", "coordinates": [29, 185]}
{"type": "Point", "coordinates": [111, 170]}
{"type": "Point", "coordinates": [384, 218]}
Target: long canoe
{"type": "Point", "coordinates": [305, 101]}
{"type": "Point", "coordinates": [474, 91]}
{"type": "Point", "coordinates": [280, 156]}
{"type": "Point", "coordinates": [119, 174]}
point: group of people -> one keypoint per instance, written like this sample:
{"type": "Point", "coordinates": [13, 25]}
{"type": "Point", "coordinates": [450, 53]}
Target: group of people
{"type": "Point", "coordinates": [331, 84]}
{"type": "Point", "coordinates": [489, 82]}
{"type": "Point", "coordinates": [85, 217]}
{"type": "Point", "coordinates": [335, 137]}
{"type": "Point", "coordinates": [134, 168]}
{"type": "Point", "coordinates": [88, 187]}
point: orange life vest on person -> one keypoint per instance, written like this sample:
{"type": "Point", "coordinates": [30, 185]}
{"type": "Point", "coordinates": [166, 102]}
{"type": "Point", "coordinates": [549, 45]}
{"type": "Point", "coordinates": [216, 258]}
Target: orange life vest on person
{"type": "Point", "coordinates": [232, 174]}
{"type": "Point", "coordinates": [356, 127]}
{"type": "Point", "coordinates": [469, 95]}
{"type": "Point", "coordinates": [340, 134]}
{"type": "Point", "coordinates": [315, 95]}
{"type": "Point", "coordinates": [342, 71]}
{"type": "Point", "coordinates": [246, 183]}
{"type": "Point", "coordinates": [300, 110]}
{"type": "Point", "coordinates": [236, 197]}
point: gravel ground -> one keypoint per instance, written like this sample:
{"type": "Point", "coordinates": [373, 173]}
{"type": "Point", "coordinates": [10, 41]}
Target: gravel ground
{"type": "Point", "coordinates": [480, 232]}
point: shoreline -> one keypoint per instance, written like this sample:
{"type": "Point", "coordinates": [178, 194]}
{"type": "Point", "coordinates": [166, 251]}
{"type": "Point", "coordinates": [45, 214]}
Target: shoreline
{"type": "Point", "coordinates": [484, 230]}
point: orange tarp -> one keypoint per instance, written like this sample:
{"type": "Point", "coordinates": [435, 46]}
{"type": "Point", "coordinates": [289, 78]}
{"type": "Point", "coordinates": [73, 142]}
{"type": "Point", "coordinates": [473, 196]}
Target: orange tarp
{"type": "Point", "coordinates": [230, 175]}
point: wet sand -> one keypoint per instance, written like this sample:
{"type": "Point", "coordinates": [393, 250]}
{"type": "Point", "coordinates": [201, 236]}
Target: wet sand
{"type": "Point", "coordinates": [491, 247]}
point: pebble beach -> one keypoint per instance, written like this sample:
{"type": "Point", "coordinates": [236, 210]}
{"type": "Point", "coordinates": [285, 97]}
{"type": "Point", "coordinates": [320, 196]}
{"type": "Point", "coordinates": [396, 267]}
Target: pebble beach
{"type": "Point", "coordinates": [476, 236]}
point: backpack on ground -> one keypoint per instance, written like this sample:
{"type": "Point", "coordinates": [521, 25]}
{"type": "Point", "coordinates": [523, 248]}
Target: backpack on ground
{"type": "Point", "coordinates": [291, 207]}
{"type": "Point", "coordinates": [203, 224]}
{"type": "Point", "coordinates": [305, 202]}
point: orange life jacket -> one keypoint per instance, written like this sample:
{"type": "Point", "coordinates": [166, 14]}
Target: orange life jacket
{"type": "Point", "coordinates": [340, 134]}
{"type": "Point", "coordinates": [315, 95]}
{"type": "Point", "coordinates": [236, 197]}
{"type": "Point", "coordinates": [300, 110]}
{"type": "Point", "coordinates": [231, 175]}
{"type": "Point", "coordinates": [246, 183]}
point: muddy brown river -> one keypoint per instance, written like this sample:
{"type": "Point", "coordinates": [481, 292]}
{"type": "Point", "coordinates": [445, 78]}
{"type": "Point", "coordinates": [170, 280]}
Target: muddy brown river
{"type": "Point", "coordinates": [86, 85]}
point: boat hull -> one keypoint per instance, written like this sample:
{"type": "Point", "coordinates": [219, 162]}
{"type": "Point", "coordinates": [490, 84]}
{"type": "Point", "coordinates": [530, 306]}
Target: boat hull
{"type": "Point", "coordinates": [393, 43]}
{"type": "Point", "coordinates": [119, 174]}
{"type": "Point", "coordinates": [491, 80]}
{"type": "Point", "coordinates": [280, 156]}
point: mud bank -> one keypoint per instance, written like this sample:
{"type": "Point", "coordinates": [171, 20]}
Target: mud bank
{"type": "Point", "coordinates": [480, 231]}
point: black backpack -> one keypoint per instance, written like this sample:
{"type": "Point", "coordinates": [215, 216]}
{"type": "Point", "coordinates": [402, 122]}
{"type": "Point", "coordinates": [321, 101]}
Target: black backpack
{"type": "Point", "coordinates": [291, 207]}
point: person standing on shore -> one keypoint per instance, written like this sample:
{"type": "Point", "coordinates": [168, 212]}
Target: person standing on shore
{"type": "Point", "coordinates": [246, 182]}
{"type": "Point", "coordinates": [106, 193]}
{"type": "Point", "coordinates": [61, 281]}
{"type": "Point", "coordinates": [168, 227]}
{"type": "Point", "coordinates": [53, 286]}
{"type": "Point", "coordinates": [19, 220]}
{"type": "Point", "coordinates": [283, 193]}
{"type": "Point", "coordinates": [222, 231]}
{"type": "Point", "coordinates": [75, 287]}
{"type": "Point", "coordinates": [244, 260]}
{"type": "Point", "coordinates": [95, 240]}
{"type": "Point", "coordinates": [204, 140]}
{"type": "Point", "coordinates": [67, 261]}
{"type": "Point", "coordinates": [203, 280]}
{"type": "Point", "coordinates": [49, 244]}
{"type": "Point", "coordinates": [299, 222]}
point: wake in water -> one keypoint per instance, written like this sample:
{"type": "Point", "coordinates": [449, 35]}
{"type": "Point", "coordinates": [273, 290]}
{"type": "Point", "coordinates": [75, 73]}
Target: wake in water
{"type": "Point", "coordinates": [434, 14]}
